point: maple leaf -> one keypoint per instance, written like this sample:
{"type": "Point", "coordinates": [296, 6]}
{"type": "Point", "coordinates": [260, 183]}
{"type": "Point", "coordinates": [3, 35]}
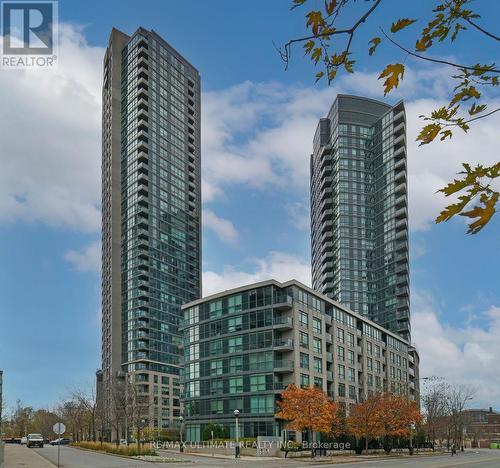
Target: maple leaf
{"type": "Point", "coordinates": [315, 20]}
{"type": "Point", "coordinates": [401, 24]}
{"type": "Point", "coordinates": [428, 133]}
{"type": "Point", "coordinates": [375, 41]}
{"type": "Point", "coordinates": [483, 214]}
{"type": "Point", "coordinates": [423, 43]}
{"type": "Point", "coordinates": [297, 3]}
{"type": "Point", "coordinates": [393, 72]}
{"type": "Point", "coordinates": [308, 46]}
{"type": "Point", "coordinates": [316, 55]}
{"type": "Point", "coordinates": [330, 6]}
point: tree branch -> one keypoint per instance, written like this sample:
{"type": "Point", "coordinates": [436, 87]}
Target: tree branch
{"type": "Point", "coordinates": [479, 28]}
{"type": "Point", "coordinates": [286, 54]}
{"type": "Point", "coordinates": [434, 60]}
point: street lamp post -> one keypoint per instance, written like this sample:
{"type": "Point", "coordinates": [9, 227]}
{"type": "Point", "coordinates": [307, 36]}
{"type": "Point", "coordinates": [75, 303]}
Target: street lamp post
{"type": "Point", "coordinates": [412, 428]}
{"type": "Point", "coordinates": [237, 448]}
{"type": "Point", "coordinates": [141, 433]}
{"type": "Point", "coordinates": [181, 420]}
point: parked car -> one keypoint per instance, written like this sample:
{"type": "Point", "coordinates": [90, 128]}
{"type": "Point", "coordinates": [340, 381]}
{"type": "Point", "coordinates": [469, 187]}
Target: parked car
{"type": "Point", "coordinates": [35, 440]}
{"type": "Point", "coordinates": [24, 440]}
{"type": "Point", "coordinates": [61, 441]}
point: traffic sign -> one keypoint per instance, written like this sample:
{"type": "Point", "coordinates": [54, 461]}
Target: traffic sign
{"type": "Point", "coordinates": [59, 428]}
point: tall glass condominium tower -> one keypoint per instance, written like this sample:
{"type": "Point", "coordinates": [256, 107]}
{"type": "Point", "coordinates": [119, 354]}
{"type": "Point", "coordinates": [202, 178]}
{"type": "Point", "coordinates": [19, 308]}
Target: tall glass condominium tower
{"type": "Point", "coordinates": [359, 216]}
{"type": "Point", "coordinates": [151, 217]}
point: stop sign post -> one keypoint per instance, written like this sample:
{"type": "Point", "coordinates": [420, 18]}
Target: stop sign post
{"type": "Point", "coordinates": [59, 428]}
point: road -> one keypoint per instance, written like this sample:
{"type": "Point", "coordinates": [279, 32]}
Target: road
{"type": "Point", "coordinates": [74, 458]}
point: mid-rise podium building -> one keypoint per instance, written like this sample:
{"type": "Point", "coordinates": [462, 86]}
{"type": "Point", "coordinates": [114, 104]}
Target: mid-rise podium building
{"type": "Point", "coordinates": [244, 346]}
{"type": "Point", "coordinates": [151, 218]}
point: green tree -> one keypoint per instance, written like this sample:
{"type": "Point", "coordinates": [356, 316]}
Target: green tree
{"type": "Point", "coordinates": [329, 44]}
{"type": "Point", "coordinates": [220, 432]}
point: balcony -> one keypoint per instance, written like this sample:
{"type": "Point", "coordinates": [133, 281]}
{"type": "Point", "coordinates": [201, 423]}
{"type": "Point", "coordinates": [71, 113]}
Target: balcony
{"type": "Point", "coordinates": [329, 338]}
{"type": "Point", "coordinates": [283, 323]}
{"type": "Point", "coordinates": [283, 345]}
{"type": "Point", "coordinates": [283, 367]}
{"type": "Point", "coordinates": [329, 357]}
{"type": "Point", "coordinates": [283, 303]}
{"type": "Point", "coordinates": [329, 376]}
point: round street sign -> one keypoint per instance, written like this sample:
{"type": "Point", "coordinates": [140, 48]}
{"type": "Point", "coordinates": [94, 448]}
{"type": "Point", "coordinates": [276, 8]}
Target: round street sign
{"type": "Point", "coordinates": [59, 428]}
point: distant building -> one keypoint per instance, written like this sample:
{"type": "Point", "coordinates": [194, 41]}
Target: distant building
{"type": "Point", "coordinates": [481, 427]}
{"type": "Point", "coordinates": [359, 210]}
{"type": "Point", "coordinates": [244, 346]}
{"type": "Point", "coordinates": [151, 217]}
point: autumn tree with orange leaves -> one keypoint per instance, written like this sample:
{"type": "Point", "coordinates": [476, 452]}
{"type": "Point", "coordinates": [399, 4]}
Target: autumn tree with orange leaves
{"type": "Point", "coordinates": [383, 416]}
{"type": "Point", "coordinates": [308, 409]}
{"type": "Point", "coordinates": [364, 420]}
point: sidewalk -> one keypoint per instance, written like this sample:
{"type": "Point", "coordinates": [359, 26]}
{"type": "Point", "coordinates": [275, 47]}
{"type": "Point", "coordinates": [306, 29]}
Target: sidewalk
{"type": "Point", "coordinates": [20, 456]}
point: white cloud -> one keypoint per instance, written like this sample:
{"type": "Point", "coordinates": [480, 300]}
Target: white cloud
{"type": "Point", "coordinates": [50, 135]}
{"type": "Point", "coordinates": [299, 215]}
{"type": "Point", "coordinates": [277, 265]}
{"type": "Point", "coordinates": [224, 228]}
{"type": "Point", "coordinates": [459, 353]}
{"type": "Point", "coordinates": [88, 259]}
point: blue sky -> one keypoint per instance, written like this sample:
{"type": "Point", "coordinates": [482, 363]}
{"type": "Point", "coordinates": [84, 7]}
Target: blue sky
{"type": "Point", "coordinates": [258, 123]}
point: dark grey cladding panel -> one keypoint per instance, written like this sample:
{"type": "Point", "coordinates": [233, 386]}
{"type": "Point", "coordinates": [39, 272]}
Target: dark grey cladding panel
{"type": "Point", "coordinates": [360, 110]}
{"type": "Point", "coordinates": [357, 118]}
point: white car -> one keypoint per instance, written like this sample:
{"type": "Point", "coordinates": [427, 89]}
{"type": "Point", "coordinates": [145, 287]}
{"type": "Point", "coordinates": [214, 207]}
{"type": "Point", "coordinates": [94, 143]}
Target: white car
{"type": "Point", "coordinates": [24, 440]}
{"type": "Point", "coordinates": [35, 440]}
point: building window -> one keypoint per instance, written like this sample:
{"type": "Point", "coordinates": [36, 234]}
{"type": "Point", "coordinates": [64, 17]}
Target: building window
{"type": "Point", "coordinates": [234, 304]}
{"type": "Point", "coordinates": [352, 392]}
{"type": "Point", "coordinates": [341, 390]}
{"type": "Point", "coordinates": [304, 380]}
{"type": "Point", "coordinates": [303, 319]}
{"type": "Point", "coordinates": [216, 387]}
{"type": "Point", "coordinates": [341, 370]}
{"type": "Point", "coordinates": [234, 324]}
{"type": "Point", "coordinates": [369, 380]}
{"type": "Point", "coordinates": [304, 340]}
{"type": "Point", "coordinates": [257, 383]}
{"type": "Point", "coordinates": [262, 404]}
{"type": "Point", "coordinates": [316, 325]}
{"type": "Point", "coordinates": [317, 345]}
{"type": "Point", "coordinates": [340, 335]}
{"type": "Point", "coordinates": [377, 351]}
{"type": "Point", "coordinates": [215, 309]}
{"type": "Point", "coordinates": [304, 361]}
{"type": "Point", "coordinates": [236, 385]}
{"type": "Point", "coordinates": [317, 365]}
{"type": "Point", "coordinates": [216, 367]}
{"type": "Point", "coordinates": [318, 382]}
{"type": "Point", "coordinates": [369, 363]}
{"type": "Point", "coordinates": [350, 339]}
{"type": "Point", "coordinates": [369, 348]}
{"type": "Point", "coordinates": [216, 406]}
{"type": "Point", "coordinates": [377, 366]}
{"type": "Point", "coordinates": [350, 356]}
{"type": "Point", "coordinates": [235, 344]}
{"type": "Point", "coordinates": [352, 375]}
{"type": "Point", "coordinates": [235, 364]}
{"type": "Point", "coordinates": [341, 353]}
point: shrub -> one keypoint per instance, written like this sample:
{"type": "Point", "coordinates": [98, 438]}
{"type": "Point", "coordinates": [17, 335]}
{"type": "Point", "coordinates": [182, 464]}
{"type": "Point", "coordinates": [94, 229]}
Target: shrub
{"type": "Point", "coordinates": [131, 450]}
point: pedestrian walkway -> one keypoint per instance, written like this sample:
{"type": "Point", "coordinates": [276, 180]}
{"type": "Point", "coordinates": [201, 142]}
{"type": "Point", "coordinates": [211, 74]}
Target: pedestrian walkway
{"type": "Point", "coordinates": [20, 456]}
